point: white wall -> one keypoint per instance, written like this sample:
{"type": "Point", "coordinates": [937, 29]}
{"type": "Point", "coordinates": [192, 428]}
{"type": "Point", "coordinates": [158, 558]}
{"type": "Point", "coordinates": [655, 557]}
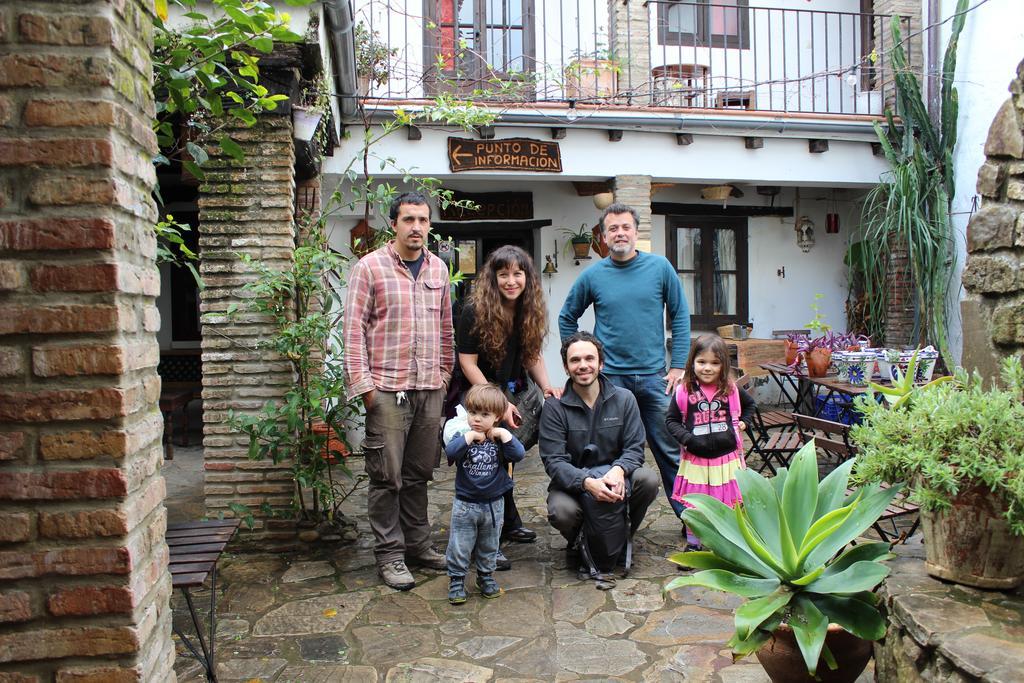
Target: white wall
{"type": "Point", "coordinates": [775, 302]}
{"type": "Point", "coordinates": [588, 155]}
{"type": "Point", "coordinates": [991, 47]}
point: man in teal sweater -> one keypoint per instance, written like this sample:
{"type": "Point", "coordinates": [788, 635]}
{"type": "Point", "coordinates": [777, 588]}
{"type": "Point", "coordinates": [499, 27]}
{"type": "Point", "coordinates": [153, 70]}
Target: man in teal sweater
{"type": "Point", "coordinates": [631, 291]}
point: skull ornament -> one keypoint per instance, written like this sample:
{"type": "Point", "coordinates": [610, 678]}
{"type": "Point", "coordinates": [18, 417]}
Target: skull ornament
{"type": "Point", "coordinates": [804, 233]}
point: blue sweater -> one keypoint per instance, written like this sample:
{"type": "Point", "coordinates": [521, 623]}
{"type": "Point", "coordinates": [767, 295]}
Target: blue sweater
{"type": "Point", "coordinates": [481, 476]}
{"type": "Point", "coordinates": [629, 303]}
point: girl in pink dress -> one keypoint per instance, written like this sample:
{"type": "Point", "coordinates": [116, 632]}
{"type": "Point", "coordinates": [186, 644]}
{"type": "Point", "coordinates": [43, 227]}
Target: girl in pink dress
{"type": "Point", "coordinates": [708, 418]}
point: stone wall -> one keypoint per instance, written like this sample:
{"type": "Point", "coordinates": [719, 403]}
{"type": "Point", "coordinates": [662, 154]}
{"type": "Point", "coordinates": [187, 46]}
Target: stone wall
{"type": "Point", "coordinates": [84, 586]}
{"type": "Point", "coordinates": [940, 632]}
{"type": "Point", "coordinates": [993, 310]}
{"type": "Point", "coordinates": [244, 208]}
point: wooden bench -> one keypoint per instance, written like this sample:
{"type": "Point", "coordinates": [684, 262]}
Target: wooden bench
{"type": "Point", "coordinates": [195, 548]}
{"type": "Point", "coordinates": [833, 439]}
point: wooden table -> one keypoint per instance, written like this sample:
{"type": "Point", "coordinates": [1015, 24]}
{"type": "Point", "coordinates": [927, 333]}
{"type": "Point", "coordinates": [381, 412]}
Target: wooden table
{"type": "Point", "coordinates": [195, 548]}
{"type": "Point", "coordinates": [806, 390]}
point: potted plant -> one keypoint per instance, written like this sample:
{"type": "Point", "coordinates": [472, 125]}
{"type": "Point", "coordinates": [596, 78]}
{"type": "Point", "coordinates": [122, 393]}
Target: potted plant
{"type": "Point", "coordinates": [591, 75]}
{"type": "Point", "coordinates": [811, 612]}
{"type": "Point", "coordinates": [580, 239]}
{"type": "Point", "coordinates": [960, 448]}
{"type": "Point", "coordinates": [373, 59]}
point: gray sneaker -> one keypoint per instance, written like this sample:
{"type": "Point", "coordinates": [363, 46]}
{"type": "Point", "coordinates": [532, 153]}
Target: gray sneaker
{"type": "Point", "coordinates": [396, 575]}
{"type": "Point", "coordinates": [429, 558]}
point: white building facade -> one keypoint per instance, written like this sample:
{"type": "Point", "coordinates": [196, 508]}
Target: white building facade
{"type": "Point", "coordinates": [655, 102]}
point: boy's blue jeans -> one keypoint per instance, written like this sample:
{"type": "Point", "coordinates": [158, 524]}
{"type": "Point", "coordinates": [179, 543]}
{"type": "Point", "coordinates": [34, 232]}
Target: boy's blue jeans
{"type": "Point", "coordinates": [474, 527]}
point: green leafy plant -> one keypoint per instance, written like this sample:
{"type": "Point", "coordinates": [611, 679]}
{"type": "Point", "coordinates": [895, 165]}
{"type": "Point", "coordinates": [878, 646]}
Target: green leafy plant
{"type": "Point", "coordinates": [955, 435]}
{"type": "Point", "coordinates": [373, 56]}
{"type": "Point", "coordinates": [206, 75]}
{"type": "Point", "coordinates": [171, 247]}
{"type": "Point", "coordinates": [778, 548]}
{"type": "Point", "coordinates": [305, 302]}
{"type": "Point", "coordinates": [580, 235]}
{"type": "Point", "coordinates": [817, 323]}
{"type": "Point", "coordinates": [909, 210]}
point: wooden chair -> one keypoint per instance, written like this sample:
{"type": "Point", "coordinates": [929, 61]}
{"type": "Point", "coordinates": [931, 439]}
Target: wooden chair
{"type": "Point", "coordinates": [833, 438]}
{"type": "Point", "coordinates": [778, 445]}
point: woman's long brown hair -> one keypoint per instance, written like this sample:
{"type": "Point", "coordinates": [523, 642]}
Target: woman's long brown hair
{"type": "Point", "coordinates": [494, 322]}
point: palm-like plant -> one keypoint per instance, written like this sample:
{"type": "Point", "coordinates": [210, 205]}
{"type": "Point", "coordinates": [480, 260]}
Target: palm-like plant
{"type": "Point", "coordinates": [779, 549]}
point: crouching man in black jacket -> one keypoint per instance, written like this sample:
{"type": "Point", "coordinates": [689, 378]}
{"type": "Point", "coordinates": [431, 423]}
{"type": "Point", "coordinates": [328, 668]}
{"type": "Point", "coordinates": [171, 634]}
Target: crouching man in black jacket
{"type": "Point", "coordinates": [592, 441]}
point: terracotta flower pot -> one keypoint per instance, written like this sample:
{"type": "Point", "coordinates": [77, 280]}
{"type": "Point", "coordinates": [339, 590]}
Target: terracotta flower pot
{"type": "Point", "coordinates": [791, 352]}
{"type": "Point", "coordinates": [581, 249]}
{"type": "Point", "coordinates": [783, 662]}
{"type": "Point", "coordinates": [971, 543]}
{"type": "Point", "coordinates": [818, 361]}
{"type": "Point", "coordinates": [334, 444]}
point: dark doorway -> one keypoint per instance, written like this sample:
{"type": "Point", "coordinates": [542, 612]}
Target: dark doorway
{"type": "Point", "coordinates": [474, 242]}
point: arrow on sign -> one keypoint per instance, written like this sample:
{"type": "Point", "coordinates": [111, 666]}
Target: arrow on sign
{"type": "Point", "coordinates": [457, 153]}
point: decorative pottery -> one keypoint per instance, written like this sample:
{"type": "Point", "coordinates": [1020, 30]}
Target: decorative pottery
{"type": "Point", "coordinates": [971, 543]}
{"type": "Point", "coordinates": [818, 361]}
{"type": "Point", "coordinates": [889, 360]}
{"type": "Point", "coordinates": [783, 662]}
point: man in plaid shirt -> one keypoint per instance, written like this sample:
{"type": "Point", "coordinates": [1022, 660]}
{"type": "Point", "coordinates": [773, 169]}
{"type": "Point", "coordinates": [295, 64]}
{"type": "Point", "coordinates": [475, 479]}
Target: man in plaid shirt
{"type": "Point", "coordinates": [399, 355]}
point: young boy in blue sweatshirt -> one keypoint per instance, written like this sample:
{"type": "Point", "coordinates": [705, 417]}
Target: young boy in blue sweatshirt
{"type": "Point", "coordinates": [482, 455]}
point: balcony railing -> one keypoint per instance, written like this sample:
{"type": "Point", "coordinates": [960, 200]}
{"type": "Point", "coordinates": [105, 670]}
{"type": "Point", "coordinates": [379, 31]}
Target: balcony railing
{"type": "Point", "coordinates": [659, 53]}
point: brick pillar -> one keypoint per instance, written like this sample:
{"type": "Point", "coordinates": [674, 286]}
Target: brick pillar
{"type": "Point", "coordinates": [993, 310]}
{"type": "Point", "coordinates": [84, 586]}
{"type": "Point", "coordinates": [901, 301]}
{"type": "Point", "coordinates": [631, 46]}
{"type": "Point", "coordinates": [913, 40]}
{"type": "Point", "coordinates": [635, 190]}
{"type": "Point", "coordinates": [243, 208]}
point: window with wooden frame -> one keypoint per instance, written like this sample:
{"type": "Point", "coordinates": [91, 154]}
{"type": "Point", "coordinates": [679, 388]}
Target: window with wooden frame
{"type": "Point", "coordinates": [710, 255]}
{"type": "Point", "coordinates": [704, 23]}
{"type": "Point", "coordinates": [469, 44]}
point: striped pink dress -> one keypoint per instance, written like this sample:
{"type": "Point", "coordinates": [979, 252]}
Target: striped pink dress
{"type": "Point", "coordinates": [715, 477]}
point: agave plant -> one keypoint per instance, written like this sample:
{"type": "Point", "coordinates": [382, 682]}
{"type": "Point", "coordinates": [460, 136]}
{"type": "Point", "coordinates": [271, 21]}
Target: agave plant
{"type": "Point", "coordinates": [779, 549]}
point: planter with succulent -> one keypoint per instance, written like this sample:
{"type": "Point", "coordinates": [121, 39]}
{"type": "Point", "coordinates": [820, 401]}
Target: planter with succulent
{"type": "Point", "coordinates": [373, 59]}
{"type": "Point", "coordinates": [960, 448]}
{"type": "Point", "coordinates": [591, 75]}
{"type": "Point", "coordinates": [580, 241]}
{"type": "Point", "coordinates": [811, 612]}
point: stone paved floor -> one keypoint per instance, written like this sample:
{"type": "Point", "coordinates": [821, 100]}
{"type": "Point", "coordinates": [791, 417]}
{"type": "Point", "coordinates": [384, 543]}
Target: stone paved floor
{"type": "Point", "coordinates": [323, 615]}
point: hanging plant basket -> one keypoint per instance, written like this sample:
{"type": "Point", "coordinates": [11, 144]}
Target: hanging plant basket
{"type": "Point", "coordinates": [581, 247]}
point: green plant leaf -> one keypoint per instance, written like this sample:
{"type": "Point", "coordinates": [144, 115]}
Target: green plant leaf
{"type": "Point", "coordinates": [231, 148]}
{"type": "Point", "coordinates": [810, 627]}
{"type": "Point", "coordinates": [720, 579]}
{"type": "Point", "coordinates": [862, 552]}
{"type": "Point", "coordinates": [753, 643]}
{"type": "Point", "coordinates": [703, 559]}
{"type": "Point", "coordinates": [859, 576]}
{"type": "Point", "coordinates": [714, 522]}
{"type": "Point", "coordinates": [762, 507]}
{"type": "Point", "coordinates": [871, 506]}
{"type": "Point", "coordinates": [800, 495]}
{"type": "Point", "coordinates": [264, 45]}
{"type": "Point", "coordinates": [755, 544]}
{"type": "Point", "coordinates": [753, 613]}
{"type": "Point", "coordinates": [856, 616]}
{"type": "Point", "coordinates": [822, 529]}
{"type": "Point", "coordinates": [832, 489]}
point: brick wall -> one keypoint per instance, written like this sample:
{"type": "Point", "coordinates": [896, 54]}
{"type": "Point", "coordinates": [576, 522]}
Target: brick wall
{"type": "Point", "coordinates": [243, 208]}
{"type": "Point", "coordinates": [993, 310]}
{"type": "Point", "coordinates": [901, 303]}
{"type": "Point", "coordinates": [84, 587]}
{"type": "Point", "coordinates": [913, 40]}
{"type": "Point", "coordinates": [635, 190]}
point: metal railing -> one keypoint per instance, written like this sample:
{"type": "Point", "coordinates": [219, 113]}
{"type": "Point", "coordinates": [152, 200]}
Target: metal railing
{"type": "Point", "coordinates": [658, 53]}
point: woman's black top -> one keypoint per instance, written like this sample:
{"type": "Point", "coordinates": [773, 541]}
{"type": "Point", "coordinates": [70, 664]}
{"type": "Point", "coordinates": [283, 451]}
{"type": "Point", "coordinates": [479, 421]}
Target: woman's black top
{"type": "Point", "coordinates": [511, 366]}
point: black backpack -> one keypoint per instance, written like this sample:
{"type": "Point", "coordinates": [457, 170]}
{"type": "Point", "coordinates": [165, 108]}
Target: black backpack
{"type": "Point", "coordinates": [604, 537]}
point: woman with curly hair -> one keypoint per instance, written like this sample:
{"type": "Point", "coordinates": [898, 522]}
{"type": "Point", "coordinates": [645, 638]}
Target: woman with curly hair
{"type": "Point", "coordinates": [500, 337]}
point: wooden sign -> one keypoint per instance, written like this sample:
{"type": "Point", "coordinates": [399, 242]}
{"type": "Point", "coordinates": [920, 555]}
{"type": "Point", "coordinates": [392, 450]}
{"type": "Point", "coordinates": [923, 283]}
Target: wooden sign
{"type": "Point", "coordinates": [493, 206]}
{"type": "Point", "coordinates": [511, 154]}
